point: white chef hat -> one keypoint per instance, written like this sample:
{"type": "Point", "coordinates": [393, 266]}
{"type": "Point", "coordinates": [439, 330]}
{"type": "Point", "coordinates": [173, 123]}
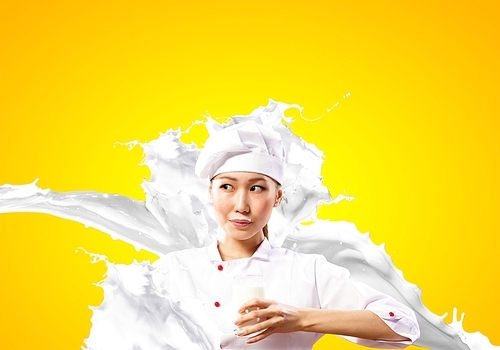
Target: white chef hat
{"type": "Point", "coordinates": [248, 147]}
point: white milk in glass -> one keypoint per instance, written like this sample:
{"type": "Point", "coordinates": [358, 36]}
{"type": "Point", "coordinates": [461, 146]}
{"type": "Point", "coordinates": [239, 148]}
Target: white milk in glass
{"type": "Point", "coordinates": [246, 288]}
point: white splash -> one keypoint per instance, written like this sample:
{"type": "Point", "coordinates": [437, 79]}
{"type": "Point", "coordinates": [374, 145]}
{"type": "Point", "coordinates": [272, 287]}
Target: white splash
{"type": "Point", "coordinates": [343, 197]}
{"type": "Point", "coordinates": [177, 215]}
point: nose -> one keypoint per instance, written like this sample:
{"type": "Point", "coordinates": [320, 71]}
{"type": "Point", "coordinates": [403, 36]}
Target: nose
{"type": "Point", "coordinates": [241, 204]}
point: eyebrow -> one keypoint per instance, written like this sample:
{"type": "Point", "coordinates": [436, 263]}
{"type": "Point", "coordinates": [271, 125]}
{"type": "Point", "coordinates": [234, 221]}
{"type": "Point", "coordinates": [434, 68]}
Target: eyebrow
{"type": "Point", "coordinates": [253, 179]}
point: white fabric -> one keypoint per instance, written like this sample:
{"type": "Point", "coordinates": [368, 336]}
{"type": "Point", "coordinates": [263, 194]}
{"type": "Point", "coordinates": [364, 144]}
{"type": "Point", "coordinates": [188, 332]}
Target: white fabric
{"type": "Point", "coordinates": [248, 146]}
{"type": "Point", "coordinates": [300, 280]}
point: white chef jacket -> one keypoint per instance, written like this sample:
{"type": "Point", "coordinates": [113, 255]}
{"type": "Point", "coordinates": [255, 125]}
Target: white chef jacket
{"type": "Point", "coordinates": [296, 279]}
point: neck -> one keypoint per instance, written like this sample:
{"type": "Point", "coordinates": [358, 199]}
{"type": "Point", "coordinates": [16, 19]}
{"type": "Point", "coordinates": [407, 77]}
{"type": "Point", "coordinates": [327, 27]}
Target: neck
{"type": "Point", "coordinates": [234, 249]}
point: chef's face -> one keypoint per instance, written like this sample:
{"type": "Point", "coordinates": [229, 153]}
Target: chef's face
{"type": "Point", "coordinates": [243, 203]}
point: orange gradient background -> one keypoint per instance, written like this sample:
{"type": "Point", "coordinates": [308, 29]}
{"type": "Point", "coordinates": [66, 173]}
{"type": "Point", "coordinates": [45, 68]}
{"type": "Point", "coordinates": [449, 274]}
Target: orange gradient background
{"type": "Point", "coordinates": [416, 142]}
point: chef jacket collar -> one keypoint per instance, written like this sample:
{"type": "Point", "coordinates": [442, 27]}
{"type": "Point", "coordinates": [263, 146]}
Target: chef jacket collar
{"type": "Point", "coordinates": [262, 252]}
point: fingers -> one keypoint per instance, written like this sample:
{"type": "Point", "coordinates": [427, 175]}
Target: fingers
{"type": "Point", "coordinates": [269, 326]}
{"type": "Point", "coordinates": [256, 303]}
{"type": "Point", "coordinates": [258, 314]}
{"type": "Point", "coordinates": [271, 316]}
{"type": "Point", "coordinates": [260, 336]}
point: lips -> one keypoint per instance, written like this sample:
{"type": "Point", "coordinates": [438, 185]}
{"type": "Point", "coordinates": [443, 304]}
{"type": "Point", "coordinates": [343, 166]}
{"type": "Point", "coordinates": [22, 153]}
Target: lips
{"type": "Point", "coordinates": [240, 223]}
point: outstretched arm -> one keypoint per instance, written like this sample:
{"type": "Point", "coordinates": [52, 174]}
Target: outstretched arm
{"type": "Point", "coordinates": [280, 318]}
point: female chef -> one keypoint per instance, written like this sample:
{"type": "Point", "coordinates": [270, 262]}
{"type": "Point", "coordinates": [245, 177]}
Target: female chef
{"type": "Point", "coordinates": [305, 296]}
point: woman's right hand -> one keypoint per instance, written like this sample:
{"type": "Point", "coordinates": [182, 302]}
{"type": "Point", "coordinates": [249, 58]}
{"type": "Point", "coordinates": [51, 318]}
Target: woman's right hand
{"type": "Point", "coordinates": [274, 318]}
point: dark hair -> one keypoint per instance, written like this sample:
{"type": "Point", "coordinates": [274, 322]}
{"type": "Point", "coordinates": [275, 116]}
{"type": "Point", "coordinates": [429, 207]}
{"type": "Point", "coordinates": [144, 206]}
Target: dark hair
{"type": "Point", "coordinates": [265, 231]}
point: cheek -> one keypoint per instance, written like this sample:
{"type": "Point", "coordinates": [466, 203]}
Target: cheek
{"type": "Point", "coordinates": [267, 207]}
{"type": "Point", "coordinates": [220, 206]}
{"type": "Point", "coordinates": [217, 206]}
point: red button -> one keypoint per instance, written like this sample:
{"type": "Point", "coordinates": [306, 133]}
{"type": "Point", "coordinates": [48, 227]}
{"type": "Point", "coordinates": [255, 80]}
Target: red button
{"type": "Point", "coordinates": [220, 267]}
{"type": "Point", "coordinates": [391, 313]}
{"type": "Point", "coordinates": [217, 304]}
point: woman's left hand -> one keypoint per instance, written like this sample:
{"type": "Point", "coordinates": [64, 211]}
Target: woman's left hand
{"type": "Point", "coordinates": [274, 318]}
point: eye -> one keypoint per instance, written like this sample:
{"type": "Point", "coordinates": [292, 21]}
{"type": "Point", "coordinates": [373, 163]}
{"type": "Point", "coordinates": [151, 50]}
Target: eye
{"type": "Point", "coordinates": [226, 187]}
{"type": "Point", "coordinates": [257, 188]}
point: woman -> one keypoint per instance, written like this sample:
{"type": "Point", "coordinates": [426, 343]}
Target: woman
{"type": "Point", "coordinates": [306, 296]}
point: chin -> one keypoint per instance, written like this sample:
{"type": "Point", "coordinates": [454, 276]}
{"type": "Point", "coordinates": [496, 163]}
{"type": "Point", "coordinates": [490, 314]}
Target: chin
{"type": "Point", "coordinates": [240, 235]}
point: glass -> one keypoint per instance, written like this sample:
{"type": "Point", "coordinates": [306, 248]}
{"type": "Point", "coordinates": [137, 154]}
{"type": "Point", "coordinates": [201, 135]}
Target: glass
{"type": "Point", "coordinates": [245, 288]}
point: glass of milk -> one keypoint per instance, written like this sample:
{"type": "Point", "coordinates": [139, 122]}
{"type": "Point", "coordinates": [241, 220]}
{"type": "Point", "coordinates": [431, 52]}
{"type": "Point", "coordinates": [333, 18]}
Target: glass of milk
{"type": "Point", "coordinates": [246, 287]}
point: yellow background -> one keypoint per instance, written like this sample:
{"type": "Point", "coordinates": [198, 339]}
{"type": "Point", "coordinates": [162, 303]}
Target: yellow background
{"type": "Point", "coordinates": [417, 141]}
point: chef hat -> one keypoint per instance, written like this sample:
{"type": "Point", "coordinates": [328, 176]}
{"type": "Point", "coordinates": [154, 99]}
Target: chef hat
{"type": "Point", "coordinates": [248, 147]}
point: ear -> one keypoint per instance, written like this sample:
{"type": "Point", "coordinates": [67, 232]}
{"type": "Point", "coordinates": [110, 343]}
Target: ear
{"type": "Point", "coordinates": [210, 198]}
{"type": "Point", "coordinates": [279, 197]}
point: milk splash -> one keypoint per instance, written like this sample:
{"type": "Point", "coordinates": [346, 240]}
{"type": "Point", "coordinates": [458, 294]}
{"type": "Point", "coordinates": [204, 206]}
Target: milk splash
{"type": "Point", "coordinates": [177, 215]}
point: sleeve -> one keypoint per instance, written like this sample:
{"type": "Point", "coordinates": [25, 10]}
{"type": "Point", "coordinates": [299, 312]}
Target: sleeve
{"type": "Point", "coordinates": [337, 291]}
